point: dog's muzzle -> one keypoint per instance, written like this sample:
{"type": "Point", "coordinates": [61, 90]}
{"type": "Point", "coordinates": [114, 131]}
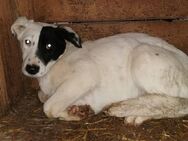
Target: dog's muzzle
{"type": "Point", "coordinates": [32, 69]}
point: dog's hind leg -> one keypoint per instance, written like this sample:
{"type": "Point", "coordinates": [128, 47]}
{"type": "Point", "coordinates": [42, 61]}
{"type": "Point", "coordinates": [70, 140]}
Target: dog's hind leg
{"type": "Point", "coordinates": [150, 106]}
{"type": "Point", "coordinates": [163, 75]}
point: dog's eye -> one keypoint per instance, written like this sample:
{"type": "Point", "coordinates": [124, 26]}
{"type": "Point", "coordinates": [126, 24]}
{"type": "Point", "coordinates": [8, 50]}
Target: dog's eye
{"type": "Point", "coordinates": [27, 42]}
{"type": "Point", "coordinates": [48, 46]}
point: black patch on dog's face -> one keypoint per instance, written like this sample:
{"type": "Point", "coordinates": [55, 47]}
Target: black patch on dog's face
{"type": "Point", "coordinates": [52, 43]}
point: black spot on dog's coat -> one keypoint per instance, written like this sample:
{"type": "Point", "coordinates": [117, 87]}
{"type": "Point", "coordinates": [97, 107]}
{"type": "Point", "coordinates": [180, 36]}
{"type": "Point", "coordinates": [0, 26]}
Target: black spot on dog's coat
{"type": "Point", "coordinates": [55, 37]}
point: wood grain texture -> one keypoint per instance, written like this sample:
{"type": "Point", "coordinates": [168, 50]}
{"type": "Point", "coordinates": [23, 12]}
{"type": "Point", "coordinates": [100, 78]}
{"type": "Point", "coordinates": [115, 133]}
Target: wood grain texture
{"type": "Point", "coordinates": [23, 8]}
{"type": "Point", "coordinates": [11, 57]}
{"type": "Point", "coordinates": [107, 10]}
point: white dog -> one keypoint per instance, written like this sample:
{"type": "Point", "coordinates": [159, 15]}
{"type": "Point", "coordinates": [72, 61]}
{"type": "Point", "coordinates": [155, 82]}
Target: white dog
{"type": "Point", "coordinates": [140, 77]}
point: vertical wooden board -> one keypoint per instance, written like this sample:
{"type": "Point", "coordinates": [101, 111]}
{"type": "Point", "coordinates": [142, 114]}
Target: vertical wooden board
{"type": "Point", "coordinates": [11, 57]}
{"type": "Point", "coordinates": [107, 10]}
{"type": "Point", "coordinates": [4, 101]}
{"type": "Point", "coordinates": [25, 8]}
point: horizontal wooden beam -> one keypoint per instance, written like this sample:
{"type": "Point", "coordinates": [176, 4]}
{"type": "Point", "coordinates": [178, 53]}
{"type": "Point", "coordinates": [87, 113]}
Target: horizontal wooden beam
{"type": "Point", "coordinates": [173, 32]}
{"type": "Point", "coordinates": [105, 10]}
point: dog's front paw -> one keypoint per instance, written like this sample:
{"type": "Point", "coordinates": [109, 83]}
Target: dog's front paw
{"type": "Point", "coordinates": [81, 111]}
{"type": "Point", "coordinates": [42, 97]}
{"type": "Point", "coordinates": [55, 111]}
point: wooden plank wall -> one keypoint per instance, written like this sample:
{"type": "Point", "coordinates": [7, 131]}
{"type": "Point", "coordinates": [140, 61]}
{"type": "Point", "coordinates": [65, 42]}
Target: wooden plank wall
{"type": "Point", "coordinates": [11, 84]}
{"type": "Point", "coordinates": [108, 10]}
{"type": "Point", "coordinates": [4, 104]}
{"type": "Point", "coordinates": [93, 19]}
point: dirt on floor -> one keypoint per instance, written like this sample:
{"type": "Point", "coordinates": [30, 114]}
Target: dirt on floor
{"type": "Point", "coordinates": [27, 122]}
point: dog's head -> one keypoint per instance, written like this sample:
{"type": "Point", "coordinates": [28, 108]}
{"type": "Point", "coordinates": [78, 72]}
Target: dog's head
{"type": "Point", "coordinates": [42, 44]}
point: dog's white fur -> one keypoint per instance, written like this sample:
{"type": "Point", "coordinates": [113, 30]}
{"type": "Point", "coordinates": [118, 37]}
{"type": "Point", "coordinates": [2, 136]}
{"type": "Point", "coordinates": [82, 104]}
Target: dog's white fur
{"type": "Point", "coordinates": [143, 75]}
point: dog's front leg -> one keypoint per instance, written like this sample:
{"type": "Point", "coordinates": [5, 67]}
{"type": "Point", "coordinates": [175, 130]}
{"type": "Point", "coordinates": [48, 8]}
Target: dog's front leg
{"type": "Point", "coordinates": [77, 86]}
{"type": "Point", "coordinates": [42, 96]}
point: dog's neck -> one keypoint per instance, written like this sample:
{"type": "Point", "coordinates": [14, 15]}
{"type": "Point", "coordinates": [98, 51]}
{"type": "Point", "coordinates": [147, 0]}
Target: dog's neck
{"type": "Point", "coordinates": [70, 48]}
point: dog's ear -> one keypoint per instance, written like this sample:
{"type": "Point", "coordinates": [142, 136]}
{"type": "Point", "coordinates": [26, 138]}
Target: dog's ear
{"type": "Point", "coordinates": [68, 34]}
{"type": "Point", "coordinates": [19, 26]}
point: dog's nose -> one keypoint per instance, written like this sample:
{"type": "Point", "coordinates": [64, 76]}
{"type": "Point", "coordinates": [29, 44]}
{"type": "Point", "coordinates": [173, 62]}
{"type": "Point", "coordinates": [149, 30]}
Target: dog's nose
{"type": "Point", "coordinates": [32, 69]}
